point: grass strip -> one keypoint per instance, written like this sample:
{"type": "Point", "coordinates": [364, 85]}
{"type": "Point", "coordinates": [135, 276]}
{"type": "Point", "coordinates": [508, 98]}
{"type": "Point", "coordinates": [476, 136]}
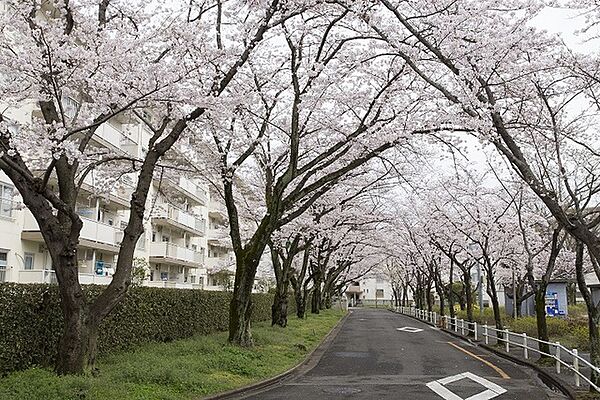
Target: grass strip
{"type": "Point", "coordinates": [183, 369]}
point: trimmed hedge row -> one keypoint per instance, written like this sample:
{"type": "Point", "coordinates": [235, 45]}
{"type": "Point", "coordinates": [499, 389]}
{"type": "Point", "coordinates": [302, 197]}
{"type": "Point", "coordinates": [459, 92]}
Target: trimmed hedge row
{"type": "Point", "coordinates": [31, 320]}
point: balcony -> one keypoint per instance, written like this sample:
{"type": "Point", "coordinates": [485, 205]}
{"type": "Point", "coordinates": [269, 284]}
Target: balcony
{"type": "Point", "coordinates": [166, 214]}
{"type": "Point", "coordinates": [169, 252]}
{"type": "Point", "coordinates": [37, 276]}
{"type": "Point", "coordinates": [217, 210]}
{"type": "Point", "coordinates": [113, 137]}
{"type": "Point", "coordinates": [219, 237]}
{"type": "Point", "coordinates": [93, 234]}
{"type": "Point", "coordinates": [172, 285]}
{"type": "Point", "coordinates": [187, 188]}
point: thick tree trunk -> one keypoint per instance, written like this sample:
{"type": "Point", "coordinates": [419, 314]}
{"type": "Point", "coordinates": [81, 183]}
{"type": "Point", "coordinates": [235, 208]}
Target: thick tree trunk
{"type": "Point", "coordinates": [240, 308]}
{"type": "Point", "coordinates": [279, 309]}
{"type": "Point", "coordinates": [315, 300]}
{"type": "Point", "coordinates": [301, 306]}
{"type": "Point", "coordinates": [78, 343]}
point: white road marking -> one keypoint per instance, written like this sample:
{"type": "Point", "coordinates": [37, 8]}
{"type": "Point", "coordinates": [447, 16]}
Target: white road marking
{"type": "Point", "coordinates": [492, 390]}
{"type": "Point", "coordinates": [409, 329]}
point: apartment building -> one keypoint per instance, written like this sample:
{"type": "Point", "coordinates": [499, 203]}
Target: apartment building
{"type": "Point", "coordinates": [220, 262]}
{"type": "Point", "coordinates": [185, 230]}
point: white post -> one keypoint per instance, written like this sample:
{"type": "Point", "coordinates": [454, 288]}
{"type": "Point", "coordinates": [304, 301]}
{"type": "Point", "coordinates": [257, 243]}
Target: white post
{"type": "Point", "coordinates": [462, 327]}
{"type": "Point", "coordinates": [557, 357]}
{"type": "Point", "coordinates": [485, 334]}
{"type": "Point", "coordinates": [576, 367]}
{"type": "Point", "coordinates": [475, 329]}
{"type": "Point", "coordinates": [455, 324]}
{"type": "Point", "coordinates": [507, 338]}
{"type": "Point", "coordinates": [435, 318]}
{"type": "Point", "coordinates": [525, 349]}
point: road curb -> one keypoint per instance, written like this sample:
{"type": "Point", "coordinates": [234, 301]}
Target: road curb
{"type": "Point", "coordinates": [310, 361]}
{"type": "Point", "coordinates": [557, 383]}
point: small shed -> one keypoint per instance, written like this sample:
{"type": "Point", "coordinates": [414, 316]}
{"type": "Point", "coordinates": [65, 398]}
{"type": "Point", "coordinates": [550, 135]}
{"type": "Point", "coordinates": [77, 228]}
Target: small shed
{"type": "Point", "coordinates": [556, 300]}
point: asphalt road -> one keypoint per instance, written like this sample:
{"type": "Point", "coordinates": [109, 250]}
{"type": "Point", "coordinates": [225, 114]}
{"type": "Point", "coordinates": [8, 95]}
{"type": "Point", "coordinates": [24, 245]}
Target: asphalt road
{"type": "Point", "coordinates": [371, 359]}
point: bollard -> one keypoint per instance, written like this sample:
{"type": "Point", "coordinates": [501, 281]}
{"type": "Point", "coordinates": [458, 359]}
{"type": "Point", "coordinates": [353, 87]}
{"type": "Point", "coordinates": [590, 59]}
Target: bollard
{"type": "Point", "coordinates": [434, 318]}
{"type": "Point", "coordinates": [525, 349]}
{"type": "Point", "coordinates": [485, 334]}
{"type": "Point", "coordinates": [462, 327]}
{"type": "Point", "coordinates": [557, 344]}
{"type": "Point", "coordinates": [455, 324]}
{"type": "Point", "coordinates": [576, 367]}
{"type": "Point", "coordinates": [507, 338]}
{"type": "Point", "coordinates": [475, 329]}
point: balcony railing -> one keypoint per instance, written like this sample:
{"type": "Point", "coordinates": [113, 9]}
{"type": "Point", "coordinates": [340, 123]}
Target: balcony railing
{"type": "Point", "coordinates": [116, 138]}
{"type": "Point", "coordinates": [184, 218]}
{"type": "Point", "coordinates": [92, 230]}
{"type": "Point", "coordinates": [37, 276]}
{"type": "Point", "coordinates": [171, 250]}
{"type": "Point", "coordinates": [190, 187]}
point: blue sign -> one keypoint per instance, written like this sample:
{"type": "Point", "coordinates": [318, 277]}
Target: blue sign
{"type": "Point", "coordinates": [552, 305]}
{"type": "Point", "coordinates": [99, 267]}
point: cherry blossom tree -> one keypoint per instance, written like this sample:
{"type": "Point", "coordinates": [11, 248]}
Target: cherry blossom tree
{"type": "Point", "coordinates": [116, 59]}
{"type": "Point", "coordinates": [301, 125]}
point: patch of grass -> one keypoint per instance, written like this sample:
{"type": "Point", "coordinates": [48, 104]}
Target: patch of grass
{"type": "Point", "coordinates": [184, 369]}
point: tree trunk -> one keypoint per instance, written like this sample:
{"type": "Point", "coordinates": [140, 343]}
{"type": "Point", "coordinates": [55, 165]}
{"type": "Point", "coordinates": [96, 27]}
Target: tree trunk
{"type": "Point", "coordinates": [540, 318]}
{"type": "Point", "coordinates": [495, 304]}
{"type": "Point", "coordinates": [593, 313]}
{"type": "Point", "coordinates": [279, 309]}
{"type": "Point", "coordinates": [468, 293]}
{"type": "Point", "coordinates": [315, 302]}
{"type": "Point", "coordinates": [240, 308]}
{"type": "Point", "coordinates": [77, 345]}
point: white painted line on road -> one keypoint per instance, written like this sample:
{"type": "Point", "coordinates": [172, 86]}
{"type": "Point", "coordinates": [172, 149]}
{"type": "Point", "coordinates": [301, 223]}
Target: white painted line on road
{"type": "Point", "coordinates": [492, 389]}
{"type": "Point", "coordinates": [409, 329]}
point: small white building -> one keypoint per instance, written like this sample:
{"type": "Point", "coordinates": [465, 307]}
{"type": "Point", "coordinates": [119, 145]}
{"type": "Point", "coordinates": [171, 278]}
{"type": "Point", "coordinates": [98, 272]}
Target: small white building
{"type": "Point", "coordinates": [373, 290]}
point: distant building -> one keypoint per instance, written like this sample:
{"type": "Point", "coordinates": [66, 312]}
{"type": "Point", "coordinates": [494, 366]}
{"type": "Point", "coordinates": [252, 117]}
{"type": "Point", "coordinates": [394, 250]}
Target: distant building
{"type": "Point", "coordinates": [369, 291]}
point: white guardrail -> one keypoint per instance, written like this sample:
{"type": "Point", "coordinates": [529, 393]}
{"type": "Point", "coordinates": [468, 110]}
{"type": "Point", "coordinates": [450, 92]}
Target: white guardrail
{"type": "Point", "coordinates": [569, 358]}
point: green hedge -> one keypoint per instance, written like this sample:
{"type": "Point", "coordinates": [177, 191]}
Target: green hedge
{"type": "Point", "coordinates": [31, 320]}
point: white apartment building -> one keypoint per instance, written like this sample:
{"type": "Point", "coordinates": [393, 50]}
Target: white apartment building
{"type": "Point", "coordinates": [185, 236]}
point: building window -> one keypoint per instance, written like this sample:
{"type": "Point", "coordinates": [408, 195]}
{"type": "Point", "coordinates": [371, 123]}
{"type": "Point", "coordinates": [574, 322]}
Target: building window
{"type": "Point", "coordinates": [6, 200]}
{"type": "Point", "coordinates": [164, 276]}
{"type": "Point", "coordinates": [3, 264]}
{"type": "Point", "coordinates": [152, 275]}
{"type": "Point", "coordinates": [70, 106]}
{"type": "Point", "coordinates": [28, 260]}
{"type": "Point", "coordinates": [379, 293]}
